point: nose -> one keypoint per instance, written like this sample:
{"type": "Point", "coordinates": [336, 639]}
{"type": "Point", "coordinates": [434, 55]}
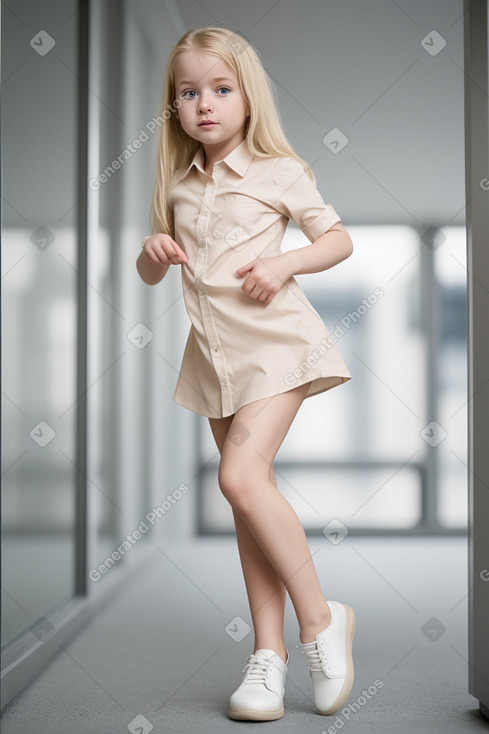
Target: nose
{"type": "Point", "coordinates": [204, 103]}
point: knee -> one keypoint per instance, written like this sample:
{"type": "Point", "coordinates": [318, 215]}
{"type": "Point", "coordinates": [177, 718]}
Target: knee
{"type": "Point", "coordinates": [237, 485]}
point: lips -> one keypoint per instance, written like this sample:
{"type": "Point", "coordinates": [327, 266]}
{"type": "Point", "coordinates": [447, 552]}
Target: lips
{"type": "Point", "coordinates": [207, 123]}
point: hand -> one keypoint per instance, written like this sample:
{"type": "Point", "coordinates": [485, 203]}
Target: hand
{"type": "Point", "coordinates": [161, 249]}
{"type": "Point", "coordinates": [264, 277]}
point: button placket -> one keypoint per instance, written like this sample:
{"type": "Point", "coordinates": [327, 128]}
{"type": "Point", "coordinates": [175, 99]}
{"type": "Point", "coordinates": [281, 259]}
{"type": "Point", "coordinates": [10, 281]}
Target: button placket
{"type": "Point", "coordinates": [217, 354]}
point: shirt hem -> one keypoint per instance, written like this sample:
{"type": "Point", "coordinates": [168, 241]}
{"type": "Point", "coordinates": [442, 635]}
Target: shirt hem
{"type": "Point", "coordinates": [318, 385]}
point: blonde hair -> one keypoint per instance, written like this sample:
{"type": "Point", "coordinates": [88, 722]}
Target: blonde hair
{"type": "Point", "coordinates": [264, 133]}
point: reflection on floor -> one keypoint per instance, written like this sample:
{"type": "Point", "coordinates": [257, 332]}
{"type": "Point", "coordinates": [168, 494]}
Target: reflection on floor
{"type": "Point", "coordinates": [168, 652]}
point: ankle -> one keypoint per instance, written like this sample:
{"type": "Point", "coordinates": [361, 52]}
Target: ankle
{"type": "Point", "coordinates": [278, 649]}
{"type": "Point", "coordinates": [308, 630]}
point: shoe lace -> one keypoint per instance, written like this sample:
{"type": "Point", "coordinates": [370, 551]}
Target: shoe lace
{"type": "Point", "coordinates": [312, 657]}
{"type": "Point", "coordinates": [256, 669]}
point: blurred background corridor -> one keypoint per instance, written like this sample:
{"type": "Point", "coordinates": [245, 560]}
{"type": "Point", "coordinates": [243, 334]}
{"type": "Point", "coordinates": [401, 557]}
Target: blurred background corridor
{"type": "Point", "coordinates": [123, 605]}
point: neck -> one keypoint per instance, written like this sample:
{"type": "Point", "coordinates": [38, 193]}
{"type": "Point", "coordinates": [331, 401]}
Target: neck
{"type": "Point", "coordinates": [214, 153]}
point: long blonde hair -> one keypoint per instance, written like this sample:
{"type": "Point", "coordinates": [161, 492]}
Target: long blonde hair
{"type": "Point", "coordinates": [264, 133]}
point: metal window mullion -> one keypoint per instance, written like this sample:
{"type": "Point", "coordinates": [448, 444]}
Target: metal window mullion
{"type": "Point", "coordinates": [80, 539]}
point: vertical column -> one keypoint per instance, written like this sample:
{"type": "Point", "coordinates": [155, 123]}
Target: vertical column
{"type": "Point", "coordinates": [477, 197]}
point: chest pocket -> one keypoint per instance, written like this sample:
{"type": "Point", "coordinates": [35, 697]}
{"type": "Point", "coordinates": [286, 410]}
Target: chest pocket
{"type": "Point", "coordinates": [254, 215]}
{"type": "Point", "coordinates": [239, 211]}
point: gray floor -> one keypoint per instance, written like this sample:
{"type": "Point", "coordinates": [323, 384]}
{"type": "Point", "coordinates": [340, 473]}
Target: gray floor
{"type": "Point", "coordinates": [161, 650]}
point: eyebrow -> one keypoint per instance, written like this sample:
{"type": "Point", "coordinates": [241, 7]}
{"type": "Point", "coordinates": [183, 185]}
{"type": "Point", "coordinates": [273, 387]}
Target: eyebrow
{"type": "Point", "coordinates": [217, 79]}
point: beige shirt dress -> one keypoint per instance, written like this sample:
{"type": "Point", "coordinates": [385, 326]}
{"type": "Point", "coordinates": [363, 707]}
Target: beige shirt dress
{"type": "Point", "coordinates": [239, 349]}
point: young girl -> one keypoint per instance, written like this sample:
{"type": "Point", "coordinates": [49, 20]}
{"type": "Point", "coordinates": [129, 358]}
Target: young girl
{"type": "Point", "coordinates": [227, 184]}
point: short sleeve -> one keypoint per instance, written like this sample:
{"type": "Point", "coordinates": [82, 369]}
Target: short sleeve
{"type": "Point", "coordinates": [298, 198]}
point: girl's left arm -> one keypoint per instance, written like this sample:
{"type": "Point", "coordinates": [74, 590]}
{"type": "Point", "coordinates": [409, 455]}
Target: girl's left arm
{"type": "Point", "coordinates": [331, 248]}
{"type": "Point", "coordinates": [265, 276]}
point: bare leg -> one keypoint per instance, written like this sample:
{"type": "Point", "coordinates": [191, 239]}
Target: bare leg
{"type": "Point", "coordinates": [265, 590]}
{"type": "Point", "coordinates": [245, 480]}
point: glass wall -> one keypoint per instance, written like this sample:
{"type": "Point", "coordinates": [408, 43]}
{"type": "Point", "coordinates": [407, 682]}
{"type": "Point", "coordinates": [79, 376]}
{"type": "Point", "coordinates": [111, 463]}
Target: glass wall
{"type": "Point", "coordinates": [91, 436]}
{"type": "Point", "coordinates": [450, 270]}
{"type": "Point", "coordinates": [40, 286]}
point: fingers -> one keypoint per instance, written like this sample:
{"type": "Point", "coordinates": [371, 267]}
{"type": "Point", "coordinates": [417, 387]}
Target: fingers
{"type": "Point", "coordinates": [177, 254]}
{"type": "Point", "coordinates": [265, 296]}
{"type": "Point", "coordinates": [254, 288]}
{"type": "Point", "coordinates": [173, 256]}
{"type": "Point", "coordinates": [258, 293]}
{"type": "Point", "coordinates": [171, 252]}
{"type": "Point", "coordinates": [245, 268]}
{"type": "Point", "coordinates": [163, 249]}
{"type": "Point", "coordinates": [151, 256]}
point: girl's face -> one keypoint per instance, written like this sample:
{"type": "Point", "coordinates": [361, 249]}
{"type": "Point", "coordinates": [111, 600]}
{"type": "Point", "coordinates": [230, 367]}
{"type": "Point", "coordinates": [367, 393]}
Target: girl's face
{"type": "Point", "coordinates": [208, 90]}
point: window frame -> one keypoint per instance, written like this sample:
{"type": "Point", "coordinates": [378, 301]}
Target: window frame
{"type": "Point", "coordinates": [427, 468]}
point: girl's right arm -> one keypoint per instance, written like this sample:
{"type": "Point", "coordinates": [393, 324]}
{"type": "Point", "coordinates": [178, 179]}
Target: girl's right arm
{"type": "Point", "coordinates": [159, 252]}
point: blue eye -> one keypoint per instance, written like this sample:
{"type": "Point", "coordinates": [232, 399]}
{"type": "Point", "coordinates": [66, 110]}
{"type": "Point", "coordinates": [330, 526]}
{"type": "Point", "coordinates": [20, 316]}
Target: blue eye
{"type": "Point", "coordinates": [188, 92]}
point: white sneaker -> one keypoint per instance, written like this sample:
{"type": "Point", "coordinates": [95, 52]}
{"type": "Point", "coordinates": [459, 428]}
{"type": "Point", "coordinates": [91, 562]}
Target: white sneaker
{"type": "Point", "coordinates": [329, 659]}
{"type": "Point", "coordinates": [260, 697]}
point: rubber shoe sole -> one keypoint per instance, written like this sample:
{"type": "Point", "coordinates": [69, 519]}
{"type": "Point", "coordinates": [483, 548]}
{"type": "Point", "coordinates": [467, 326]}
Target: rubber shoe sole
{"type": "Point", "coordinates": [255, 715]}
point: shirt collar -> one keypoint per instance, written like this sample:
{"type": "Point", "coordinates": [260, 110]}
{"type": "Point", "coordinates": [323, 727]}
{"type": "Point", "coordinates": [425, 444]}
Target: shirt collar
{"type": "Point", "coordinates": [238, 159]}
